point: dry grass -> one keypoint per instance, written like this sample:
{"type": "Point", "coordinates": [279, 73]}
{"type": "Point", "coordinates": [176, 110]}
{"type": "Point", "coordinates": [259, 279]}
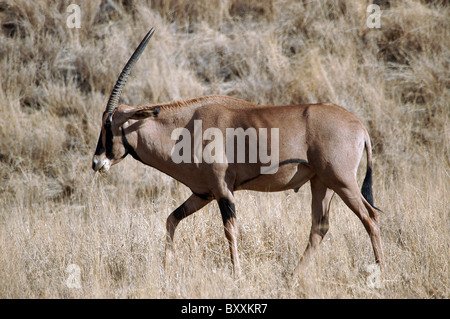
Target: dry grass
{"type": "Point", "coordinates": [54, 85]}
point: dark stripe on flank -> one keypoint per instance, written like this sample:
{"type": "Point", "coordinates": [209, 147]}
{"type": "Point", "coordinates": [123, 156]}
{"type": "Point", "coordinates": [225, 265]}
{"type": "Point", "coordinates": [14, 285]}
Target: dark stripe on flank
{"type": "Point", "coordinates": [293, 161]}
{"type": "Point", "coordinates": [205, 196]}
{"type": "Point", "coordinates": [288, 161]}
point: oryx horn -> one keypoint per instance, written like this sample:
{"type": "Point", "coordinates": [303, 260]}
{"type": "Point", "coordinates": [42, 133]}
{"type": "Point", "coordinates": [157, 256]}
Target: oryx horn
{"type": "Point", "coordinates": [115, 94]}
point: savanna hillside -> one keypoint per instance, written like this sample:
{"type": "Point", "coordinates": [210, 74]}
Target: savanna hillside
{"type": "Point", "coordinates": [54, 84]}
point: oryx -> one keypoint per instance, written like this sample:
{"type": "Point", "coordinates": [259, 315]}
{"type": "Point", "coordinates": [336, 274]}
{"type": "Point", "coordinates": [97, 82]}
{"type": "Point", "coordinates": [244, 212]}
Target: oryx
{"type": "Point", "coordinates": [320, 143]}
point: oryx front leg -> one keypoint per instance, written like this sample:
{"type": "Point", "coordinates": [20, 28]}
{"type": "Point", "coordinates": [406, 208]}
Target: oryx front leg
{"type": "Point", "coordinates": [190, 206]}
{"type": "Point", "coordinates": [228, 211]}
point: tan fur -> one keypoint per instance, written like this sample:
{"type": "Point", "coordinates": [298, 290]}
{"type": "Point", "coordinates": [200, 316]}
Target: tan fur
{"type": "Point", "coordinates": [325, 140]}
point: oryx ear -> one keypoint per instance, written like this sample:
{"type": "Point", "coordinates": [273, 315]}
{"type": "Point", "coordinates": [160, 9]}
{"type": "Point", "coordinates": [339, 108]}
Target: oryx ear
{"type": "Point", "coordinates": [124, 113]}
{"type": "Point", "coordinates": [144, 112]}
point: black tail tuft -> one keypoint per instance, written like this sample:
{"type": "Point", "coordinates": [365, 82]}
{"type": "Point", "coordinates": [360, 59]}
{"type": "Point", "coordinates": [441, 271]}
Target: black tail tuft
{"type": "Point", "coordinates": [366, 189]}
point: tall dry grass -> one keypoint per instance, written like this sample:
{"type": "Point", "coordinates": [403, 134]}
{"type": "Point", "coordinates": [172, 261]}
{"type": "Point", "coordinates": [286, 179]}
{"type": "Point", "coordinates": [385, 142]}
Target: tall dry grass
{"type": "Point", "coordinates": [55, 82]}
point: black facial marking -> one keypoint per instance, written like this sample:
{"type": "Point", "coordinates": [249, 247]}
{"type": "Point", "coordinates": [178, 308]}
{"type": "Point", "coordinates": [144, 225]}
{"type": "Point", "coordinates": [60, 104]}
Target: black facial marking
{"type": "Point", "coordinates": [100, 148]}
{"type": "Point", "coordinates": [125, 144]}
{"type": "Point", "coordinates": [227, 209]}
{"type": "Point", "coordinates": [109, 138]}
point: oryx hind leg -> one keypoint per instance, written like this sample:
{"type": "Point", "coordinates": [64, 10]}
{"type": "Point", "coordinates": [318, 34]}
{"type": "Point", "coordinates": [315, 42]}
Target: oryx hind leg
{"type": "Point", "coordinates": [352, 197]}
{"type": "Point", "coordinates": [320, 207]}
{"type": "Point", "coordinates": [190, 206]}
